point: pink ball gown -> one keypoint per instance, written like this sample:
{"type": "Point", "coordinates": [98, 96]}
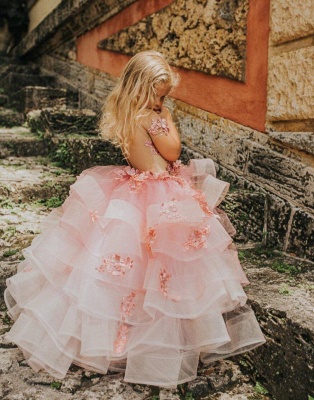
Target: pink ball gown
{"type": "Point", "coordinates": [136, 270]}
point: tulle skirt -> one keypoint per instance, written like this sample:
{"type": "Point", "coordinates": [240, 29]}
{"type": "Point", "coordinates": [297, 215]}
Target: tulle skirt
{"type": "Point", "coordinates": [135, 271]}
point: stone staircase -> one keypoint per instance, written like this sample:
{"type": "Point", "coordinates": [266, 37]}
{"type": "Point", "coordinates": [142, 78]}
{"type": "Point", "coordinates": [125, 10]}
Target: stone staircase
{"type": "Point", "coordinates": [24, 88]}
{"type": "Point", "coordinates": [38, 163]}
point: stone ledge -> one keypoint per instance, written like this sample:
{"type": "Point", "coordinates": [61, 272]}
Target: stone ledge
{"type": "Point", "coordinates": [75, 16]}
{"type": "Point", "coordinates": [36, 97]}
{"type": "Point", "coordinates": [284, 307]}
{"type": "Point", "coordinates": [10, 118]}
{"type": "Point", "coordinates": [58, 120]}
{"type": "Point", "coordinates": [299, 140]}
{"type": "Point", "coordinates": [19, 141]}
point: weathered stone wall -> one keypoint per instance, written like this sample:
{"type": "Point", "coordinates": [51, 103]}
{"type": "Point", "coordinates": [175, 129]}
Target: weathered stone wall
{"type": "Point", "coordinates": [205, 36]}
{"type": "Point", "coordinates": [291, 80]}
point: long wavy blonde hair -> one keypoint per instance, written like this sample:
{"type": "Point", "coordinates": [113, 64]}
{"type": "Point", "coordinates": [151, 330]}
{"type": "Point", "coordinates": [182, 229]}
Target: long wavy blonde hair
{"type": "Point", "coordinates": [131, 97]}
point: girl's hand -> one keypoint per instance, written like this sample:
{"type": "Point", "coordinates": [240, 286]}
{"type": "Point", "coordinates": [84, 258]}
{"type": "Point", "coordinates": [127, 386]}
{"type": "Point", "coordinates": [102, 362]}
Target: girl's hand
{"type": "Point", "coordinates": [163, 133]}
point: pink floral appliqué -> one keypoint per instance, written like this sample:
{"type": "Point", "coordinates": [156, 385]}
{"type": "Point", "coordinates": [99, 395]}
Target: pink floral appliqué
{"type": "Point", "coordinates": [200, 197]}
{"type": "Point", "coordinates": [170, 210]}
{"type": "Point", "coordinates": [135, 178]}
{"type": "Point", "coordinates": [150, 238]}
{"type": "Point", "coordinates": [164, 278]}
{"type": "Point", "coordinates": [122, 338]}
{"type": "Point", "coordinates": [94, 215]}
{"type": "Point", "coordinates": [127, 305]}
{"type": "Point", "coordinates": [175, 167]}
{"type": "Point", "coordinates": [159, 126]}
{"type": "Point", "coordinates": [152, 147]}
{"type": "Point", "coordinates": [197, 238]}
{"type": "Point", "coordinates": [116, 265]}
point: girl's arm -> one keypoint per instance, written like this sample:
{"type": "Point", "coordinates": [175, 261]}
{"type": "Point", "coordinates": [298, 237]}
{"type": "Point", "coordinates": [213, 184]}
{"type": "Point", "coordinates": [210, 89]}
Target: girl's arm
{"type": "Point", "coordinates": [164, 134]}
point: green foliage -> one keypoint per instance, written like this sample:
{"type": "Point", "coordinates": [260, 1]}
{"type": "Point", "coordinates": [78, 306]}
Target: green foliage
{"type": "Point", "coordinates": [10, 252]}
{"type": "Point", "coordinates": [62, 156]}
{"type": "Point", "coordinates": [53, 202]}
{"type": "Point", "coordinates": [56, 385]}
{"type": "Point", "coordinates": [282, 267]}
{"type": "Point", "coordinates": [310, 398]}
{"type": "Point", "coordinates": [9, 232]}
{"type": "Point", "coordinates": [6, 319]}
{"type": "Point", "coordinates": [189, 396]}
{"type": "Point", "coordinates": [285, 290]}
{"type": "Point", "coordinates": [7, 203]}
{"type": "Point", "coordinates": [259, 388]}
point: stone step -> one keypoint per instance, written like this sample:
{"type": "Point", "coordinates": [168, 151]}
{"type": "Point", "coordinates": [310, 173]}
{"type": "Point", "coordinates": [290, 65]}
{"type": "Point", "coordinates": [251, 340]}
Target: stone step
{"type": "Point", "coordinates": [300, 140]}
{"type": "Point", "coordinates": [10, 118]}
{"type": "Point", "coordinates": [63, 121]}
{"type": "Point", "coordinates": [9, 60]}
{"type": "Point", "coordinates": [13, 82]}
{"type": "Point", "coordinates": [281, 294]}
{"type": "Point", "coordinates": [19, 141]}
{"type": "Point", "coordinates": [19, 69]}
{"type": "Point", "coordinates": [27, 179]}
{"type": "Point", "coordinates": [3, 100]}
{"type": "Point", "coordinates": [36, 97]}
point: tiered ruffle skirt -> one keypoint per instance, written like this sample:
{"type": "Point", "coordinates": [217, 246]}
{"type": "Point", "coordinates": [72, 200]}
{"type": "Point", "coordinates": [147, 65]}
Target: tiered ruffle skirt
{"type": "Point", "coordinates": [137, 271]}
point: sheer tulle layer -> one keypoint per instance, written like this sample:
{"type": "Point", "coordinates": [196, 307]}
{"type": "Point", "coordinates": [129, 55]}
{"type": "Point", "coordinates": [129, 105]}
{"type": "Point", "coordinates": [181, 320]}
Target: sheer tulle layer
{"type": "Point", "coordinates": [134, 267]}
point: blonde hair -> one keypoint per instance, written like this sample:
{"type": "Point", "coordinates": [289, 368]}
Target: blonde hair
{"type": "Point", "coordinates": [130, 98]}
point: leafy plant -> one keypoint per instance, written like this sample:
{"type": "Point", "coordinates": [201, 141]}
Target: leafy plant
{"type": "Point", "coordinates": [285, 290]}
{"type": "Point", "coordinates": [56, 385]}
{"type": "Point", "coordinates": [53, 202]}
{"type": "Point", "coordinates": [10, 252]}
{"type": "Point", "coordinates": [281, 266]}
{"type": "Point", "coordinates": [260, 389]}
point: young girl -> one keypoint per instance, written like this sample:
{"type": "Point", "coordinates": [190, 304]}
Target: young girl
{"type": "Point", "coordinates": [137, 269]}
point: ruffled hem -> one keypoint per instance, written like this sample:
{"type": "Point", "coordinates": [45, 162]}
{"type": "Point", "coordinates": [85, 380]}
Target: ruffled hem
{"type": "Point", "coordinates": [141, 272]}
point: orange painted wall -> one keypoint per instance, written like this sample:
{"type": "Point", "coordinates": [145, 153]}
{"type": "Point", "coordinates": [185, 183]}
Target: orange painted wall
{"type": "Point", "coordinates": [244, 103]}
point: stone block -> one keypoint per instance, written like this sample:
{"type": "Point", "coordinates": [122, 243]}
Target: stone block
{"type": "Point", "coordinates": [291, 86]}
{"type": "Point", "coordinates": [9, 60]}
{"type": "Point", "coordinates": [212, 139]}
{"type": "Point", "coordinates": [245, 210]}
{"type": "Point", "coordinates": [20, 142]}
{"type": "Point", "coordinates": [62, 120]}
{"type": "Point", "coordinates": [3, 100]}
{"type": "Point", "coordinates": [13, 82]}
{"type": "Point", "coordinates": [36, 97]}
{"type": "Point", "coordinates": [280, 174]}
{"type": "Point", "coordinates": [9, 118]}
{"type": "Point", "coordinates": [291, 19]}
{"type": "Point", "coordinates": [301, 237]}
{"type": "Point", "coordinates": [19, 69]}
{"type": "Point", "coordinates": [277, 215]}
{"type": "Point", "coordinates": [196, 134]}
{"type": "Point", "coordinates": [79, 153]}
{"type": "Point", "coordinates": [299, 140]}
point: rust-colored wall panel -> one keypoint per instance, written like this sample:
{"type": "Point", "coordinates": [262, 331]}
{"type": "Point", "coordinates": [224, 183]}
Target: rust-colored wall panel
{"type": "Point", "coordinates": [244, 103]}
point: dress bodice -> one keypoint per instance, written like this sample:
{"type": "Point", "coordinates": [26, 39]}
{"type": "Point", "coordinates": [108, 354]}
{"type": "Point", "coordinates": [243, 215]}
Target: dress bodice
{"type": "Point", "coordinates": [143, 154]}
